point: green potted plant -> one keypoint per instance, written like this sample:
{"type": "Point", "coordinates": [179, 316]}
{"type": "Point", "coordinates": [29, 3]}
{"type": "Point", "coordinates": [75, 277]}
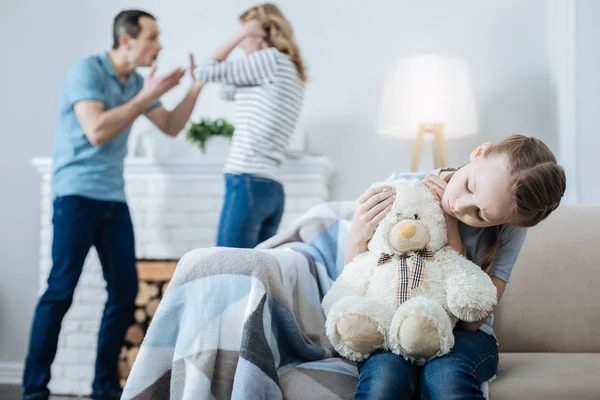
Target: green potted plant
{"type": "Point", "coordinates": [198, 133]}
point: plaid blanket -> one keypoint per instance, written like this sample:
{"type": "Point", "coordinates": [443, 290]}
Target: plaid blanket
{"type": "Point", "coordinates": [248, 324]}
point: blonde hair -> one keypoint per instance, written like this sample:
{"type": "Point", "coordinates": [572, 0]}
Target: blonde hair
{"type": "Point", "coordinates": [279, 33]}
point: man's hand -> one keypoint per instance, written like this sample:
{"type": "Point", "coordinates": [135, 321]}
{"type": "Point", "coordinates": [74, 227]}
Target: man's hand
{"type": "Point", "coordinates": [156, 86]}
{"type": "Point", "coordinates": [172, 122]}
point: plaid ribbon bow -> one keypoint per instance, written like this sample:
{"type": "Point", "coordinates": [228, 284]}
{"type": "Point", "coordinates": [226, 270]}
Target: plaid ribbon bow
{"type": "Point", "coordinates": [408, 279]}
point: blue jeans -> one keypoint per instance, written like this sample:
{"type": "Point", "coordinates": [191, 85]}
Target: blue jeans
{"type": "Point", "coordinates": [457, 375]}
{"type": "Point", "coordinates": [251, 212]}
{"type": "Point", "coordinates": [80, 223]}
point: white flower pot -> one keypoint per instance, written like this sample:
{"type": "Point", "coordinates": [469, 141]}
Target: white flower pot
{"type": "Point", "coordinates": [217, 148]}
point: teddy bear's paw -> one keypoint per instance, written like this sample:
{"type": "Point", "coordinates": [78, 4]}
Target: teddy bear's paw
{"type": "Point", "coordinates": [471, 297]}
{"type": "Point", "coordinates": [466, 313]}
{"type": "Point", "coordinates": [419, 336]}
{"type": "Point", "coordinates": [470, 308]}
{"type": "Point", "coordinates": [359, 333]}
{"type": "Point", "coordinates": [420, 330]}
{"type": "Point", "coordinates": [356, 326]}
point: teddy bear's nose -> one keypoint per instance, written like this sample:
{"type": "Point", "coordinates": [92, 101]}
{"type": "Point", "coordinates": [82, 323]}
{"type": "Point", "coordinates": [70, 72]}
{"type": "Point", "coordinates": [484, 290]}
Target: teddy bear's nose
{"type": "Point", "coordinates": [407, 229]}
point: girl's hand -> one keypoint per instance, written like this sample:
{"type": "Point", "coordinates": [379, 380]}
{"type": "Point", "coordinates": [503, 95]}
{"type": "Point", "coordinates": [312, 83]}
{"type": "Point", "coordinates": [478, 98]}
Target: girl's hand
{"type": "Point", "coordinates": [470, 326]}
{"type": "Point", "coordinates": [437, 187]}
{"type": "Point", "coordinates": [369, 209]}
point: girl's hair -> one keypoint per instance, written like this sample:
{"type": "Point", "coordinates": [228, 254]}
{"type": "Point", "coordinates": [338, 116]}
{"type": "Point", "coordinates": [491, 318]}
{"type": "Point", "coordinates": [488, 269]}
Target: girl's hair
{"type": "Point", "coordinates": [536, 182]}
{"type": "Point", "coordinates": [280, 34]}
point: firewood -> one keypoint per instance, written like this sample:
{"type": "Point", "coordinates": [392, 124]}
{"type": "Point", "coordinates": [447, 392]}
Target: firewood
{"type": "Point", "coordinates": [135, 335]}
{"type": "Point", "coordinates": [131, 355]}
{"type": "Point", "coordinates": [151, 307]}
{"type": "Point", "coordinates": [140, 315]}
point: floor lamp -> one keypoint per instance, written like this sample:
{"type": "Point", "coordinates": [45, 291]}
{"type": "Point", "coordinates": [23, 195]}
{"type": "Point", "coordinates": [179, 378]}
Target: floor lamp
{"type": "Point", "coordinates": [428, 98]}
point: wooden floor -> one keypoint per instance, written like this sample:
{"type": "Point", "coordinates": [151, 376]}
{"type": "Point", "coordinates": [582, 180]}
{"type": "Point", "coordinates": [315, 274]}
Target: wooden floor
{"type": "Point", "coordinates": [13, 392]}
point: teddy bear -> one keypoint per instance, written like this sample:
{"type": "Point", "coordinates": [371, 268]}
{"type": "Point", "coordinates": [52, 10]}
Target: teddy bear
{"type": "Point", "coordinates": [408, 290]}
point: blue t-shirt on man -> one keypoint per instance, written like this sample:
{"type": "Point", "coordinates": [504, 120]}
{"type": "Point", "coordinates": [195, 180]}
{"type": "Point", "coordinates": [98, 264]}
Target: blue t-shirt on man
{"type": "Point", "coordinates": [79, 168]}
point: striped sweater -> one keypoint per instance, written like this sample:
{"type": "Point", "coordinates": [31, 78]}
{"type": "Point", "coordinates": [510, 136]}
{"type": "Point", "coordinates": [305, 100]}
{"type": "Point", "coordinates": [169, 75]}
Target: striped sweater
{"type": "Point", "coordinates": [268, 95]}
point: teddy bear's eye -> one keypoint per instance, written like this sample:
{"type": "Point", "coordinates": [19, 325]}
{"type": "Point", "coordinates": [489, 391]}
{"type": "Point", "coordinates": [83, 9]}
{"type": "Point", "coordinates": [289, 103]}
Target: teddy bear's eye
{"type": "Point", "coordinates": [416, 216]}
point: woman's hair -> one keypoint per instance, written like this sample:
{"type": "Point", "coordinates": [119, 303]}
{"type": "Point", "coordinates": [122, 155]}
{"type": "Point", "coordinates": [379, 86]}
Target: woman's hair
{"type": "Point", "coordinates": [279, 33]}
{"type": "Point", "coordinates": [536, 181]}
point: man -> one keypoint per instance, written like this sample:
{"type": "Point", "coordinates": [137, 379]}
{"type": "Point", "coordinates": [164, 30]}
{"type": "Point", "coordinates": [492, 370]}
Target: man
{"type": "Point", "coordinates": [101, 97]}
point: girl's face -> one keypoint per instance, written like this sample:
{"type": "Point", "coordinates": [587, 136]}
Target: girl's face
{"type": "Point", "coordinates": [478, 194]}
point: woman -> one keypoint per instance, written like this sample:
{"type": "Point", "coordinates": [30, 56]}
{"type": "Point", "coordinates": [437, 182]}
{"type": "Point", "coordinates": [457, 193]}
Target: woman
{"type": "Point", "coordinates": [488, 203]}
{"type": "Point", "coordinates": [267, 86]}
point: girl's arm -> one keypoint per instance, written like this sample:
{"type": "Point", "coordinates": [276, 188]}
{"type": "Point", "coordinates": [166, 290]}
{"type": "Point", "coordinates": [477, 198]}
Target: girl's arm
{"type": "Point", "coordinates": [511, 242]}
{"type": "Point", "coordinates": [437, 186]}
{"type": "Point", "coordinates": [369, 209]}
{"type": "Point", "coordinates": [454, 239]}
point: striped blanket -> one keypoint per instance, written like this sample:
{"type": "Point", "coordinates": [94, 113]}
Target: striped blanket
{"type": "Point", "coordinates": [248, 324]}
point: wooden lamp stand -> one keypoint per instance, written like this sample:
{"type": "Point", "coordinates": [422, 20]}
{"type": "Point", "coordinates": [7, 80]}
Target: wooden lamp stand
{"type": "Point", "coordinates": [440, 158]}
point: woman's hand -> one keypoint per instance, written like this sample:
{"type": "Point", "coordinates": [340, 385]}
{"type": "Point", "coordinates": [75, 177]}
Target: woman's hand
{"type": "Point", "coordinates": [195, 82]}
{"type": "Point", "coordinates": [369, 209]}
{"type": "Point", "coordinates": [249, 28]}
{"type": "Point", "coordinates": [437, 187]}
{"type": "Point", "coordinates": [253, 28]}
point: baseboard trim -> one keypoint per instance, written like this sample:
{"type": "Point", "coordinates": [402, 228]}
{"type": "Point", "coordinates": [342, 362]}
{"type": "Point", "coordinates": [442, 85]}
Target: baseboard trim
{"type": "Point", "coordinates": [11, 373]}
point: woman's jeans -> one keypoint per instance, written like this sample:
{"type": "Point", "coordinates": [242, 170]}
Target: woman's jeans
{"type": "Point", "coordinates": [251, 212]}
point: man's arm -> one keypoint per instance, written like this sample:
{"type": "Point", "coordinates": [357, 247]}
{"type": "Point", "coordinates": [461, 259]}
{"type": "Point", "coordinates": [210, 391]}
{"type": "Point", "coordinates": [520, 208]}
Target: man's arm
{"type": "Point", "coordinates": [100, 125]}
{"type": "Point", "coordinates": [172, 122]}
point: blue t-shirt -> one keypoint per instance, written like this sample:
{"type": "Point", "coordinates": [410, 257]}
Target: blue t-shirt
{"type": "Point", "coordinates": [79, 168]}
{"type": "Point", "coordinates": [478, 240]}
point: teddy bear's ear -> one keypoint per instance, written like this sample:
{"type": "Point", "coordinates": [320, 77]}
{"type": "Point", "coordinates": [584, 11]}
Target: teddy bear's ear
{"type": "Point", "coordinates": [379, 243]}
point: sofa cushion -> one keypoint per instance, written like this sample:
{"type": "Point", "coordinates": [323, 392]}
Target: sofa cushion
{"type": "Point", "coordinates": [546, 376]}
{"type": "Point", "coordinates": [552, 303]}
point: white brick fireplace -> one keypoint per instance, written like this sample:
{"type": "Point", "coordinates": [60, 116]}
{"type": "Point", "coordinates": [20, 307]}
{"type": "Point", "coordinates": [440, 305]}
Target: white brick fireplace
{"type": "Point", "coordinates": [175, 208]}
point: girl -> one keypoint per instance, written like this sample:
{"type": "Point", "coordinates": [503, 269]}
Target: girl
{"type": "Point", "coordinates": [488, 204]}
{"type": "Point", "coordinates": [267, 86]}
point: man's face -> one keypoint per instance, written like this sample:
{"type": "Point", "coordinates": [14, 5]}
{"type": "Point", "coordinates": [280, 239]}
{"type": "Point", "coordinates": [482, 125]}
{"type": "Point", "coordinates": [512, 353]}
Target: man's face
{"type": "Point", "coordinates": [144, 49]}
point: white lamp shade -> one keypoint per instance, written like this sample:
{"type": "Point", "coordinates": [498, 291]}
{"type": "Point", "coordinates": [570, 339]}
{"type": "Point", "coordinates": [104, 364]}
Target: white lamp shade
{"type": "Point", "coordinates": [428, 90]}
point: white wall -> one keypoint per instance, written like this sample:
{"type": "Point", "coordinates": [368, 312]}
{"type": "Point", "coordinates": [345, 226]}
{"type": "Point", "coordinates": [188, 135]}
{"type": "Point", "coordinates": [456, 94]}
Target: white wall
{"type": "Point", "coordinates": [348, 46]}
{"type": "Point", "coordinates": [38, 41]}
{"type": "Point", "coordinates": [588, 102]}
